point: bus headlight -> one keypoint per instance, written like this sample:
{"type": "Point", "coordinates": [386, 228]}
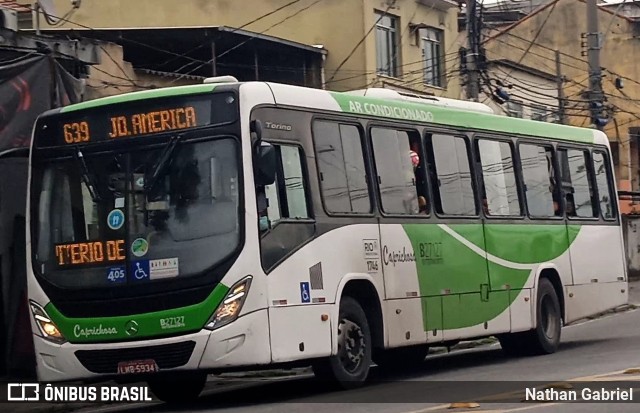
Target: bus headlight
{"type": "Point", "coordinates": [230, 307]}
{"type": "Point", "coordinates": [47, 327]}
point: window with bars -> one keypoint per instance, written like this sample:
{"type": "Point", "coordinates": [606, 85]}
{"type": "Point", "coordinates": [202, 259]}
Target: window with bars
{"type": "Point", "coordinates": [432, 55]}
{"type": "Point", "coordinates": [387, 54]}
{"type": "Point", "coordinates": [539, 113]}
{"type": "Point", "coordinates": [514, 109]}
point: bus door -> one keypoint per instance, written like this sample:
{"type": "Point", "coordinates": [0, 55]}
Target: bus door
{"type": "Point", "coordinates": [597, 261]}
{"type": "Point", "coordinates": [452, 260]}
{"type": "Point", "coordinates": [508, 239]}
{"type": "Point", "coordinates": [401, 194]}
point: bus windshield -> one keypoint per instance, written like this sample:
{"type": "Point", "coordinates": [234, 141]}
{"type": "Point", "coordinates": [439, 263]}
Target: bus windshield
{"type": "Point", "coordinates": [108, 219]}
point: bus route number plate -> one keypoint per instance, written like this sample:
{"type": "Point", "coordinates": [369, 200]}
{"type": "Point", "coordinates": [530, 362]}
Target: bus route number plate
{"type": "Point", "coordinates": [137, 366]}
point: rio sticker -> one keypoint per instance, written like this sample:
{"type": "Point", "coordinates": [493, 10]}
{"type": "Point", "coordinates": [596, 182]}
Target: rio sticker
{"type": "Point", "coordinates": [115, 220]}
{"type": "Point", "coordinates": [139, 247]}
{"type": "Point", "coordinates": [164, 268]}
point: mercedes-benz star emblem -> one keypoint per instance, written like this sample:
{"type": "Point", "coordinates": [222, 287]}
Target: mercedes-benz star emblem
{"type": "Point", "coordinates": [131, 328]}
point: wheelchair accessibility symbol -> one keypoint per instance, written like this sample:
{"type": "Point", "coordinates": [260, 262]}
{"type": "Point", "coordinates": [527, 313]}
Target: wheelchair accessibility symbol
{"type": "Point", "coordinates": [305, 296]}
{"type": "Point", "coordinates": [140, 271]}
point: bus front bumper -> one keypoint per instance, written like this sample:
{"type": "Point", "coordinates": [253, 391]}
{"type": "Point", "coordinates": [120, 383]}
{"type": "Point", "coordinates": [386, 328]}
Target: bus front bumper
{"type": "Point", "coordinates": [243, 342]}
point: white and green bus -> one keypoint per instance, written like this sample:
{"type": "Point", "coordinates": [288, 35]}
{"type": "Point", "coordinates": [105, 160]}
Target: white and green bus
{"type": "Point", "coordinates": [183, 231]}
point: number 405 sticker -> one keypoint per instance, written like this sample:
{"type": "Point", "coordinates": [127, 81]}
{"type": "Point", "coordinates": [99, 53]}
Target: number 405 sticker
{"type": "Point", "coordinates": [116, 274]}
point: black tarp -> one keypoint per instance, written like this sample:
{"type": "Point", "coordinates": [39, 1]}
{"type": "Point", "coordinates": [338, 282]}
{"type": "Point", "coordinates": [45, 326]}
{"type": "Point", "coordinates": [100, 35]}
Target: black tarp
{"type": "Point", "coordinates": [28, 87]}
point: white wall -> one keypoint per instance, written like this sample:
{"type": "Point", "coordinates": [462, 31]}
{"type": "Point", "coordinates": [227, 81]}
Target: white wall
{"type": "Point", "coordinates": [527, 88]}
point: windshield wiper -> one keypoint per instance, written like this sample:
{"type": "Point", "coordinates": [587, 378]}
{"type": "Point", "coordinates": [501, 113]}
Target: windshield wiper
{"type": "Point", "coordinates": [87, 178]}
{"type": "Point", "coordinates": [162, 163]}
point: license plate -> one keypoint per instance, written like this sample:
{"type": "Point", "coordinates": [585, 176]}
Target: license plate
{"type": "Point", "coordinates": [137, 367]}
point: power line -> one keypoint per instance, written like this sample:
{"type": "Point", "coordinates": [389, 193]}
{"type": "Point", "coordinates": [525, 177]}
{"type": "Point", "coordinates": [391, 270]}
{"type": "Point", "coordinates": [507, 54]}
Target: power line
{"type": "Point", "coordinates": [535, 37]}
{"type": "Point", "coordinates": [118, 65]}
{"type": "Point", "coordinates": [370, 72]}
{"type": "Point", "coordinates": [530, 83]}
{"type": "Point", "coordinates": [20, 58]}
{"type": "Point", "coordinates": [536, 93]}
{"type": "Point", "coordinates": [246, 41]}
{"type": "Point", "coordinates": [408, 83]}
{"type": "Point", "coordinates": [449, 74]}
{"type": "Point", "coordinates": [613, 17]}
{"type": "Point", "coordinates": [186, 54]}
{"type": "Point", "coordinates": [91, 29]}
{"type": "Point", "coordinates": [389, 5]}
{"type": "Point", "coordinates": [235, 30]}
{"type": "Point", "coordinates": [402, 33]}
{"type": "Point", "coordinates": [562, 53]}
{"type": "Point", "coordinates": [541, 46]}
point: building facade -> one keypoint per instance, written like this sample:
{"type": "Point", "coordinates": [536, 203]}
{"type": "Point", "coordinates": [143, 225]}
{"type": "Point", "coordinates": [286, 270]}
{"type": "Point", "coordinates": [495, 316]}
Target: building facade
{"type": "Point", "coordinates": [409, 45]}
{"type": "Point", "coordinates": [515, 90]}
{"type": "Point", "coordinates": [560, 26]}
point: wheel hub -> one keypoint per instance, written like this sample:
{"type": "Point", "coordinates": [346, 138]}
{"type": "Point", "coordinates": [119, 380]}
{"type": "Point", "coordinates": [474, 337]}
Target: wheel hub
{"type": "Point", "coordinates": [549, 318]}
{"type": "Point", "coordinates": [351, 345]}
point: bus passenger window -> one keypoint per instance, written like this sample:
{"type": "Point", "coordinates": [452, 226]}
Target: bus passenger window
{"type": "Point", "coordinates": [419, 176]}
{"type": "Point", "coordinates": [603, 177]}
{"type": "Point", "coordinates": [343, 175]}
{"type": "Point", "coordinates": [287, 196]}
{"type": "Point", "coordinates": [576, 184]}
{"type": "Point", "coordinates": [285, 220]}
{"type": "Point", "coordinates": [450, 174]}
{"type": "Point", "coordinates": [541, 191]}
{"type": "Point", "coordinates": [400, 172]}
{"type": "Point", "coordinates": [498, 178]}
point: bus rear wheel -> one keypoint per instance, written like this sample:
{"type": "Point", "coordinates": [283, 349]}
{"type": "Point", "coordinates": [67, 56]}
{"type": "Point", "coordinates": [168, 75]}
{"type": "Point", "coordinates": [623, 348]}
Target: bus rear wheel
{"type": "Point", "coordinates": [545, 337]}
{"type": "Point", "coordinates": [179, 388]}
{"type": "Point", "coordinates": [350, 367]}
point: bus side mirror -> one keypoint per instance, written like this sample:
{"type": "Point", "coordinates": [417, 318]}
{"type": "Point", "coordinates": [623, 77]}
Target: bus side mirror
{"type": "Point", "coordinates": [255, 128]}
{"type": "Point", "coordinates": [264, 164]}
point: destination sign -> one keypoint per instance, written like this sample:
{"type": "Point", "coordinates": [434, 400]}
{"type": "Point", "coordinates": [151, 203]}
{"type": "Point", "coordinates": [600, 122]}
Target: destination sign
{"type": "Point", "coordinates": [153, 122]}
{"type": "Point", "coordinates": [87, 253]}
{"type": "Point", "coordinates": [136, 119]}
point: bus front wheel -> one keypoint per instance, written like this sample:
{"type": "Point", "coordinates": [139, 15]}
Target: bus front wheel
{"type": "Point", "coordinates": [179, 388]}
{"type": "Point", "coordinates": [350, 367]}
{"type": "Point", "coordinates": [545, 337]}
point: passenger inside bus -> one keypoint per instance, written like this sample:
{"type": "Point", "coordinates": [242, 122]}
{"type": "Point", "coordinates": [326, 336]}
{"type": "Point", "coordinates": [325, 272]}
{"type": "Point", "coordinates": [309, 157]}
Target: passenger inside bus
{"type": "Point", "coordinates": [418, 178]}
{"type": "Point", "coordinates": [553, 189]}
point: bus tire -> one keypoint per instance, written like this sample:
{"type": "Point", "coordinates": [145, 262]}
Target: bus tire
{"type": "Point", "coordinates": [350, 367]}
{"type": "Point", "coordinates": [545, 337]}
{"type": "Point", "coordinates": [395, 359]}
{"type": "Point", "coordinates": [178, 389]}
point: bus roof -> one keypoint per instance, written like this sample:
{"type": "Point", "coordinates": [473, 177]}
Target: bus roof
{"type": "Point", "coordinates": [402, 109]}
{"type": "Point", "coordinates": [464, 115]}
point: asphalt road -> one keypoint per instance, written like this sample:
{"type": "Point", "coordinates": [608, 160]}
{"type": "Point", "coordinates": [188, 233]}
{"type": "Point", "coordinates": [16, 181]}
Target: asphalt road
{"type": "Point", "coordinates": [596, 353]}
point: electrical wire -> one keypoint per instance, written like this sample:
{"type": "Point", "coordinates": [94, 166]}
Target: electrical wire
{"type": "Point", "coordinates": [402, 33]}
{"type": "Point", "coordinates": [535, 37]}
{"type": "Point", "coordinates": [390, 3]}
{"type": "Point", "coordinates": [421, 61]}
{"type": "Point", "coordinates": [615, 14]}
{"type": "Point", "coordinates": [247, 41]}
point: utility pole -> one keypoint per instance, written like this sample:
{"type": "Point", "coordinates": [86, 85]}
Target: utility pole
{"type": "Point", "coordinates": [560, 83]}
{"type": "Point", "coordinates": [473, 40]}
{"type": "Point", "coordinates": [596, 103]}
{"type": "Point", "coordinates": [36, 16]}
